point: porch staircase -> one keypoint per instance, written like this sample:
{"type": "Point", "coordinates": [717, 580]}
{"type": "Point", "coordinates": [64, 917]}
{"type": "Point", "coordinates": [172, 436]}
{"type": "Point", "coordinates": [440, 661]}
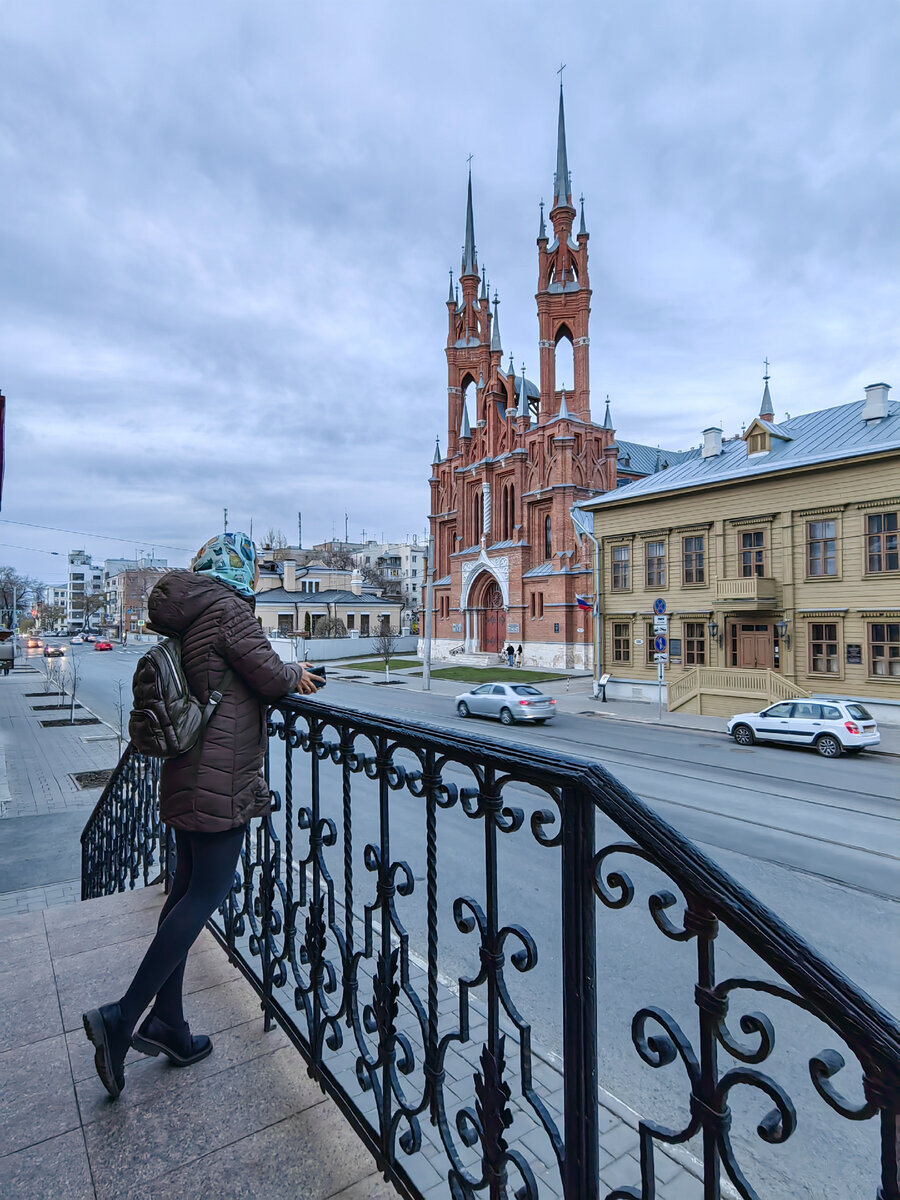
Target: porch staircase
{"type": "Point", "coordinates": [722, 692]}
{"type": "Point", "coordinates": [480, 659]}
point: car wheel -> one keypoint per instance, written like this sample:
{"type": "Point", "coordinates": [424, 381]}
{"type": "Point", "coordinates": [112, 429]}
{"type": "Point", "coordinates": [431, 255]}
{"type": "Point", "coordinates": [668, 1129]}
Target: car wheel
{"type": "Point", "coordinates": [828, 746]}
{"type": "Point", "coordinates": [462, 709]}
{"type": "Point", "coordinates": [743, 735]}
{"type": "Point", "coordinates": [506, 716]}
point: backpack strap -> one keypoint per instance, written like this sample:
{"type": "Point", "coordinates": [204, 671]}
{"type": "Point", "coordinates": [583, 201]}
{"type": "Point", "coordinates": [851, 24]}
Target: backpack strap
{"type": "Point", "coordinates": [215, 697]}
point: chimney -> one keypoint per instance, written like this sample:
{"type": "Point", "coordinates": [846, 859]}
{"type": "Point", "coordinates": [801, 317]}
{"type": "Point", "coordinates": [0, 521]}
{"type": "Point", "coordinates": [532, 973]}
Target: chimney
{"type": "Point", "coordinates": [876, 405]}
{"type": "Point", "coordinates": [356, 582]}
{"type": "Point", "coordinates": [289, 579]}
{"type": "Point", "coordinates": [712, 442]}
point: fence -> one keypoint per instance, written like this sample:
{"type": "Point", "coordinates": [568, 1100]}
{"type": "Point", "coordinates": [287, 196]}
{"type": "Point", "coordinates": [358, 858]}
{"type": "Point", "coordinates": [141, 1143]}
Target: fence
{"type": "Point", "coordinates": [372, 914]}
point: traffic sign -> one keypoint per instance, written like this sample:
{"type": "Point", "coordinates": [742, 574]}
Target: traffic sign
{"type": "Point", "coordinates": [660, 642]}
{"type": "Point", "coordinates": [659, 606]}
{"type": "Point", "coordinates": [661, 658]}
{"type": "Point", "coordinates": [660, 624]}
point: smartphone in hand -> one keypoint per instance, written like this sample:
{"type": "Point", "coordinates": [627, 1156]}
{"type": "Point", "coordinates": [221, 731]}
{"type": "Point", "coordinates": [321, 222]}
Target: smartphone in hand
{"type": "Point", "coordinates": [319, 676]}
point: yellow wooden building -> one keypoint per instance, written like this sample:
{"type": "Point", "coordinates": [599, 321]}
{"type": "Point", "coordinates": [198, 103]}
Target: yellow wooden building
{"type": "Point", "coordinates": [777, 556]}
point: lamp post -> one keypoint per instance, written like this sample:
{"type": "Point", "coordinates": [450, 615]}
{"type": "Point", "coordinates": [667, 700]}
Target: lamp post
{"type": "Point", "coordinates": [782, 627]}
{"type": "Point", "coordinates": [583, 523]}
{"type": "Point", "coordinates": [714, 635]}
{"type": "Point", "coordinates": [429, 618]}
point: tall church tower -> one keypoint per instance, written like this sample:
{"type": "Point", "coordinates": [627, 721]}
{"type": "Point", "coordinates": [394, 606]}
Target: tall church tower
{"type": "Point", "coordinates": [564, 291]}
{"type": "Point", "coordinates": [508, 566]}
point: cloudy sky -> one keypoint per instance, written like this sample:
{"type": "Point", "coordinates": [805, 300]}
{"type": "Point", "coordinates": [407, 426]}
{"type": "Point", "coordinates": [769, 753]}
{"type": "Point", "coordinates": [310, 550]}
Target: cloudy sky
{"type": "Point", "coordinates": [225, 231]}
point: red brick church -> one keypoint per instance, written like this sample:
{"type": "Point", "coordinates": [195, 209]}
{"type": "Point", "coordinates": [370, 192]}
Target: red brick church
{"type": "Point", "coordinates": [508, 566]}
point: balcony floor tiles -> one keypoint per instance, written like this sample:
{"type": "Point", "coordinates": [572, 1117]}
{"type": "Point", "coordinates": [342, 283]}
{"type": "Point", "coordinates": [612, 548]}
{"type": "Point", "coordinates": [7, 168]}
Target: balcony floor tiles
{"type": "Point", "coordinates": [245, 1122]}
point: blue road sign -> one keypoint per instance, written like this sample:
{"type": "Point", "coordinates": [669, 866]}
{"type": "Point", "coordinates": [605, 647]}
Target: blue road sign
{"type": "Point", "coordinates": [659, 606]}
{"type": "Point", "coordinates": [660, 642]}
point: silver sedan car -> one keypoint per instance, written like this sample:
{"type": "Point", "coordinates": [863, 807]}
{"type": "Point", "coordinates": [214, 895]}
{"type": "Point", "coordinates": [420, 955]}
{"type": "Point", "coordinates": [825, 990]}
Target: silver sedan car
{"type": "Point", "coordinates": [508, 701]}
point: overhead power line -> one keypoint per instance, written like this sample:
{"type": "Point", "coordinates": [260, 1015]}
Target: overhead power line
{"type": "Point", "coordinates": [109, 537]}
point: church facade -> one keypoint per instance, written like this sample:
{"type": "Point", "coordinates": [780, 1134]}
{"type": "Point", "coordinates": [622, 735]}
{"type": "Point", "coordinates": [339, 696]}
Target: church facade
{"type": "Point", "coordinates": [508, 566]}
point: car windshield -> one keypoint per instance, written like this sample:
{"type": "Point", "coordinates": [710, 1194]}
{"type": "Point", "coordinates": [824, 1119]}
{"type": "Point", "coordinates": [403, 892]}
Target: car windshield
{"type": "Point", "coordinates": [858, 711]}
{"type": "Point", "coordinates": [522, 689]}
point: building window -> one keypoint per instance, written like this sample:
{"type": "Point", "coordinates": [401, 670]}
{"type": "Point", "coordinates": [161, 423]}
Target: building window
{"type": "Point", "coordinates": [656, 564]}
{"type": "Point", "coordinates": [694, 644]}
{"type": "Point", "coordinates": [621, 561]}
{"type": "Point", "coordinates": [548, 537]}
{"type": "Point", "coordinates": [823, 649]}
{"type": "Point", "coordinates": [883, 553]}
{"type": "Point", "coordinates": [649, 648]}
{"type": "Point", "coordinates": [537, 604]}
{"type": "Point", "coordinates": [884, 649]}
{"type": "Point", "coordinates": [364, 625]}
{"type": "Point", "coordinates": [351, 621]}
{"type": "Point", "coordinates": [821, 549]}
{"type": "Point", "coordinates": [757, 443]}
{"type": "Point", "coordinates": [753, 549]}
{"type": "Point", "coordinates": [621, 642]}
{"type": "Point", "coordinates": [693, 559]}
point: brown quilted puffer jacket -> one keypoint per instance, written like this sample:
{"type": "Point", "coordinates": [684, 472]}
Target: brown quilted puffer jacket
{"type": "Point", "coordinates": [218, 784]}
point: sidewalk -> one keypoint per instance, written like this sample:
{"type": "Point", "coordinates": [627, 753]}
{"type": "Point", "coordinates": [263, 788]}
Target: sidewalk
{"type": "Point", "coordinates": [42, 809]}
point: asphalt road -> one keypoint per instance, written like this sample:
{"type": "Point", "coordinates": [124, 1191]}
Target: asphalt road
{"type": "Point", "coordinates": [818, 840]}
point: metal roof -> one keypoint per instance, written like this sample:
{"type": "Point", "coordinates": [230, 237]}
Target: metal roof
{"type": "Point", "coordinates": [327, 596]}
{"type": "Point", "coordinates": [642, 459]}
{"type": "Point", "coordinates": [828, 435]}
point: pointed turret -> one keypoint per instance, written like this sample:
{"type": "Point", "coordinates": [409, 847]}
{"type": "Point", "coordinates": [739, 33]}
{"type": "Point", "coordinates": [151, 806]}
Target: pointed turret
{"type": "Point", "coordinates": [562, 188]}
{"type": "Point", "coordinates": [495, 328]}
{"type": "Point", "coordinates": [450, 299]}
{"type": "Point", "coordinates": [465, 430]}
{"type": "Point", "coordinates": [582, 228]}
{"type": "Point", "coordinates": [766, 410]}
{"type": "Point", "coordinates": [542, 228]}
{"type": "Point", "coordinates": [484, 286]}
{"type": "Point", "coordinates": [607, 420]}
{"type": "Point", "coordinates": [437, 452]}
{"type": "Point", "coordinates": [469, 264]}
{"type": "Point", "coordinates": [563, 407]}
{"type": "Point", "coordinates": [523, 409]}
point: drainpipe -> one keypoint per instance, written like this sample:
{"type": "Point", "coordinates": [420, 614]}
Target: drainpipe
{"type": "Point", "coordinates": [582, 522]}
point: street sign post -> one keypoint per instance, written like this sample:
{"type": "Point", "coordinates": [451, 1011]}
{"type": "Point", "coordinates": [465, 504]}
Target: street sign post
{"type": "Point", "coordinates": [660, 642]}
{"type": "Point", "coordinates": [660, 645]}
{"type": "Point", "coordinates": [659, 606]}
{"type": "Point", "coordinates": [660, 624]}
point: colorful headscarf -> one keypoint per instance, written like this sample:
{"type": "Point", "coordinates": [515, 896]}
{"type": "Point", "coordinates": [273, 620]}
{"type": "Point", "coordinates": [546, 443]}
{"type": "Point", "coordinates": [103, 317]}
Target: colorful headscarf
{"type": "Point", "coordinates": [230, 558]}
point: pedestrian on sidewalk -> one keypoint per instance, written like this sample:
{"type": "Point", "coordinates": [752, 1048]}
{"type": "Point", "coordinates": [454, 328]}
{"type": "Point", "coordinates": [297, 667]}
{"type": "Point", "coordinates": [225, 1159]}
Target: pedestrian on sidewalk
{"type": "Point", "coordinates": [510, 655]}
{"type": "Point", "coordinates": [518, 656]}
{"type": "Point", "coordinates": [208, 795]}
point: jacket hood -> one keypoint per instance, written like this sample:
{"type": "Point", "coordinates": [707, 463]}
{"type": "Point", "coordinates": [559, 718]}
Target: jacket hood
{"type": "Point", "coordinates": [180, 597]}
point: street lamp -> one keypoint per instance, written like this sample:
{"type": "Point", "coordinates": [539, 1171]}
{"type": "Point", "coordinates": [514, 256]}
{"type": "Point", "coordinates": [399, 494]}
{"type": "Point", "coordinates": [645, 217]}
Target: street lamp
{"type": "Point", "coordinates": [782, 627]}
{"type": "Point", "coordinates": [713, 628]}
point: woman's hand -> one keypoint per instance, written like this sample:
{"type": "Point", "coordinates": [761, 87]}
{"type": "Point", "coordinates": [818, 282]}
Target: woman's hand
{"type": "Point", "coordinates": [305, 685]}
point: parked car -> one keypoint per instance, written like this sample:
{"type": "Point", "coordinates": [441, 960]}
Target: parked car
{"type": "Point", "coordinates": [77, 640]}
{"type": "Point", "coordinates": [103, 645]}
{"type": "Point", "coordinates": [33, 643]}
{"type": "Point", "coordinates": [507, 701]}
{"type": "Point", "coordinates": [54, 652]}
{"type": "Point", "coordinates": [88, 637]}
{"type": "Point", "coordinates": [830, 725]}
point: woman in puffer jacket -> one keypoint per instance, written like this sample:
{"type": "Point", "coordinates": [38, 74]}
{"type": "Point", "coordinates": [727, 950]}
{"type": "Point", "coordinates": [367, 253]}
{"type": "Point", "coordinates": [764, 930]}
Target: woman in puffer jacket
{"type": "Point", "coordinates": [207, 795]}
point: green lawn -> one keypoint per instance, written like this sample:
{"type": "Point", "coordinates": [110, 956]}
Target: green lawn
{"type": "Point", "coordinates": [395, 664]}
{"type": "Point", "coordinates": [494, 674]}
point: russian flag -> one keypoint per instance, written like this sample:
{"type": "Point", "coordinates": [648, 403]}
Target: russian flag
{"type": "Point", "coordinates": [584, 602]}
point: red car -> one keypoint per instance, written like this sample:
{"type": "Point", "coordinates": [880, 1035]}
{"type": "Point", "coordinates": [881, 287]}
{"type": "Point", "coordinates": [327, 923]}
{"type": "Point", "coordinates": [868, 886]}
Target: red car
{"type": "Point", "coordinates": [103, 645]}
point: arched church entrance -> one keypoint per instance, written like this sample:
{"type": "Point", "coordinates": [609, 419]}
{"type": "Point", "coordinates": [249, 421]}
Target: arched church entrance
{"type": "Point", "coordinates": [492, 615]}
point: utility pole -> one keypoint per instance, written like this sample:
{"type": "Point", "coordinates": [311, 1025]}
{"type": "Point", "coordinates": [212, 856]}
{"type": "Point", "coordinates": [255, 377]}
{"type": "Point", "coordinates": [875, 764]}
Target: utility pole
{"type": "Point", "coordinates": [346, 527]}
{"type": "Point", "coordinates": [225, 511]}
{"type": "Point", "coordinates": [583, 523]}
{"type": "Point", "coordinates": [429, 618]}
{"type": "Point", "coordinates": [299, 530]}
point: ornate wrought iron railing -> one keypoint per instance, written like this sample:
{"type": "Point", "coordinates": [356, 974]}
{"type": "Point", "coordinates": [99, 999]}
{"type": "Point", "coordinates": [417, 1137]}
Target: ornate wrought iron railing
{"type": "Point", "coordinates": [420, 910]}
{"type": "Point", "coordinates": [123, 844]}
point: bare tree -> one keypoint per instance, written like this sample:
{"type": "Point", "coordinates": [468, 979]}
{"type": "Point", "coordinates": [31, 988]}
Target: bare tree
{"type": "Point", "coordinates": [13, 590]}
{"type": "Point", "coordinates": [72, 680]}
{"type": "Point", "coordinates": [330, 627]}
{"type": "Point", "coordinates": [275, 542]}
{"type": "Point", "coordinates": [338, 556]}
{"type": "Point", "coordinates": [93, 602]}
{"type": "Point", "coordinates": [120, 712]}
{"type": "Point", "coordinates": [385, 644]}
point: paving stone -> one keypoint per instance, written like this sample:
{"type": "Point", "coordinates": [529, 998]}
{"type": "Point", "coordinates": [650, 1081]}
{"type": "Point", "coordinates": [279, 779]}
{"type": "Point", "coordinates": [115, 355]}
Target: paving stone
{"type": "Point", "coordinates": [620, 1139]}
{"type": "Point", "coordinates": [54, 1169]}
{"type": "Point", "coordinates": [36, 1100]}
{"type": "Point", "coordinates": [29, 1007]}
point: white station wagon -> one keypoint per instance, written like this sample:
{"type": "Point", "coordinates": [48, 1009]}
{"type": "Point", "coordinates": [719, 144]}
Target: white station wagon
{"type": "Point", "coordinates": [830, 725]}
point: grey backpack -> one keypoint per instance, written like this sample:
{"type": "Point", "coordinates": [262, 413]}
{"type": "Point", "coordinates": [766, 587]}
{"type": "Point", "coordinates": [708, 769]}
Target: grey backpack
{"type": "Point", "coordinates": [166, 718]}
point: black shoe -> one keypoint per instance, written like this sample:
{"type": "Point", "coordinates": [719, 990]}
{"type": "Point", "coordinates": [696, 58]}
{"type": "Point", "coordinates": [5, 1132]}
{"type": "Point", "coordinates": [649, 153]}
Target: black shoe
{"type": "Point", "coordinates": [103, 1027]}
{"type": "Point", "coordinates": [179, 1046]}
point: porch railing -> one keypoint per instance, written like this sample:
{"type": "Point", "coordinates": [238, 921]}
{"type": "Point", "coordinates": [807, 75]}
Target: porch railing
{"type": "Point", "coordinates": [372, 914]}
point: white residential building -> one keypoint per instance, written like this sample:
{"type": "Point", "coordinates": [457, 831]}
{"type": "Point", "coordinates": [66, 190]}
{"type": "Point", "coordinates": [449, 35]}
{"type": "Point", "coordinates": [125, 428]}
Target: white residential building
{"type": "Point", "coordinates": [402, 564]}
{"type": "Point", "coordinates": [84, 580]}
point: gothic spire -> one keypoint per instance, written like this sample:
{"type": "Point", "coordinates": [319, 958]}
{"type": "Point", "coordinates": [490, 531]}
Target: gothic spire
{"type": "Point", "coordinates": [469, 264]}
{"type": "Point", "coordinates": [542, 228]}
{"type": "Point", "coordinates": [495, 327]}
{"type": "Point", "coordinates": [465, 430]}
{"type": "Point", "coordinates": [450, 293]}
{"type": "Point", "coordinates": [523, 410]}
{"type": "Point", "coordinates": [437, 451]}
{"type": "Point", "coordinates": [562, 189]}
{"type": "Point", "coordinates": [607, 420]}
{"type": "Point", "coordinates": [484, 286]}
{"type": "Point", "coordinates": [563, 407]}
{"type": "Point", "coordinates": [766, 411]}
{"type": "Point", "coordinates": [582, 229]}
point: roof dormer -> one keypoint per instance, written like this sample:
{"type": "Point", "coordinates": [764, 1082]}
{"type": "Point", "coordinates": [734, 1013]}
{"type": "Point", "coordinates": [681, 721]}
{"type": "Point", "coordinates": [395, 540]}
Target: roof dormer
{"type": "Point", "coordinates": [760, 435]}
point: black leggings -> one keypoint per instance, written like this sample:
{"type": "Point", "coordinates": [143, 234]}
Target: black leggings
{"type": "Point", "coordinates": [204, 873]}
